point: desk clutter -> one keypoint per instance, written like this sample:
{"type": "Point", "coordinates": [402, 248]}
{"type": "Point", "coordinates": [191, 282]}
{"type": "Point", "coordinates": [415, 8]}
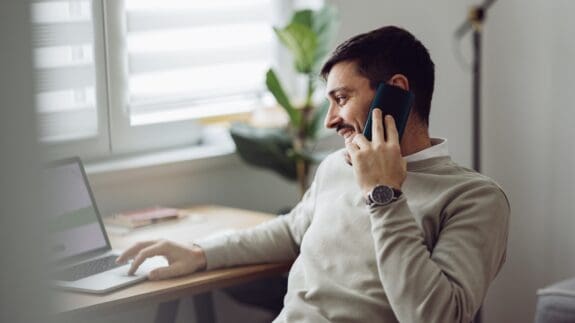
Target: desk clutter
{"type": "Point", "coordinates": [144, 217]}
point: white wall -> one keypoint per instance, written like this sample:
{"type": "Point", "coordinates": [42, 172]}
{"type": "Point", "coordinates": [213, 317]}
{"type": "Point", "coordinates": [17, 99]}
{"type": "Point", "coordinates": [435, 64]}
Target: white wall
{"type": "Point", "coordinates": [224, 180]}
{"type": "Point", "coordinates": [562, 156]}
{"type": "Point", "coordinates": [528, 127]}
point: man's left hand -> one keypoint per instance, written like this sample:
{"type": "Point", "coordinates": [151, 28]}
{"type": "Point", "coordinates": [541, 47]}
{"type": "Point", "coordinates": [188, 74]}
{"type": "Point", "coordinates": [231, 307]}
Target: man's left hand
{"type": "Point", "coordinates": [378, 162]}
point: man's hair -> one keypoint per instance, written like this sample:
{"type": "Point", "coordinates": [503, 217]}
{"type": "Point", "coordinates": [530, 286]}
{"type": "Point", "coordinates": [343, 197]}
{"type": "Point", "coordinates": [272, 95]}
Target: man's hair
{"type": "Point", "coordinates": [384, 52]}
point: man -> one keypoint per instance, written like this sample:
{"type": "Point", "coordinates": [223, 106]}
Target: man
{"type": "Point", "coordinates": [424, 251]}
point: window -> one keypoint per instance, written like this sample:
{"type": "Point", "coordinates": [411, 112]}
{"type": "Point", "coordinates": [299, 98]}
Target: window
{"type": "Point", "coordinates": [69, 73]}
{"type": "Point", "coordinates": [183, 54]}
{"type": "Point", "coordinates": [119, 76]}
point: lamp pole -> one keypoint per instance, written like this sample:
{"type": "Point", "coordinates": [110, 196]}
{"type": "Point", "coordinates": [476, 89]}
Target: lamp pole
{"type": "Point", "coordinates": [477, 16]}
{"type": "Point", "coordinates": [474, 22]}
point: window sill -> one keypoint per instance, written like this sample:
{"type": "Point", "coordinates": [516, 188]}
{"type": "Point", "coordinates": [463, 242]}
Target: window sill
{"type": "Point", "coordinates": [216, 143]}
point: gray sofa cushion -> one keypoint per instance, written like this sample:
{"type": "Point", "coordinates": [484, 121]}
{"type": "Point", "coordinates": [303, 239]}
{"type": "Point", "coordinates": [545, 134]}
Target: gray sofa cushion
{"type": "Point", "coordinates": [556, 303]}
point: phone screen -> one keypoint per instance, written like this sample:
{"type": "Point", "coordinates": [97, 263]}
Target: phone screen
{"type": "Point", "coordinates": [394, 101]}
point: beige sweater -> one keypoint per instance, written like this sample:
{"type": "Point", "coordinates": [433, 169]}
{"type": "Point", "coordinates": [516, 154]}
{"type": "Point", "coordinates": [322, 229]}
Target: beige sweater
{"type": "Point", "coordinates": [427, 257]}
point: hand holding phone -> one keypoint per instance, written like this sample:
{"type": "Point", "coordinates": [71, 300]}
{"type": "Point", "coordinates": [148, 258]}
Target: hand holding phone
{"type": "Point", "coordinates": [394, 101]}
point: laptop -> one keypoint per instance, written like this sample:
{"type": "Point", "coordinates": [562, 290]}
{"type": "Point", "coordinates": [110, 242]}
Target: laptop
{"type": "Point", "coordinates": [77, 239]}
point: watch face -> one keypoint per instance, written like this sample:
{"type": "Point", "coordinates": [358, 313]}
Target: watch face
{"type": "Point", "coordinates": [382, 194]}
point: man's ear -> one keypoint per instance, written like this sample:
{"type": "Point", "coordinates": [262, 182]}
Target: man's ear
{"type": "Point", "coordinates": [399, 80]}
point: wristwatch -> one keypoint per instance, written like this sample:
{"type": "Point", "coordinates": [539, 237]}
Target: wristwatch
{"type": "Point", "coordinates": [382, 195]}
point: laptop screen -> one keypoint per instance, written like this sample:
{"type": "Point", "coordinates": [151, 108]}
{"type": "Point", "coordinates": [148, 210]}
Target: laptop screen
{"type": "Point", "coordinates": [74, 222]}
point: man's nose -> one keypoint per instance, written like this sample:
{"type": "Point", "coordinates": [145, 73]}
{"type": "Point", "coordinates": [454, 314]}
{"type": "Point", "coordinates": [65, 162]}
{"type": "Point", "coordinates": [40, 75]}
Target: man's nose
{"type": "Point", "coordinates": [332, 119]}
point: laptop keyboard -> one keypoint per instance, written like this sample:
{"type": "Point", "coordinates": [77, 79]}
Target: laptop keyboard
{"type": "Point", "coordinates": [89, 268]}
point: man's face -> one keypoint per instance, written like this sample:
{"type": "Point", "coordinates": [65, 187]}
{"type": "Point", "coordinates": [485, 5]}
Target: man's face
{"type": "Point", "coordinates": [349, 97]}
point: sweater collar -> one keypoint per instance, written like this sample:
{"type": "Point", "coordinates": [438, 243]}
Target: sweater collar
{"type": "Point", "coordinates": [438, 149]}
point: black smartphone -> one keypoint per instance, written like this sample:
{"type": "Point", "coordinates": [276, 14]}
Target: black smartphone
{"type": "Point", "coordinates": [394, 101]}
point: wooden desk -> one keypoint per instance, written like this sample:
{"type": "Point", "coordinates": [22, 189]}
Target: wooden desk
{"type": "Point", "coordinates": [201, 222]}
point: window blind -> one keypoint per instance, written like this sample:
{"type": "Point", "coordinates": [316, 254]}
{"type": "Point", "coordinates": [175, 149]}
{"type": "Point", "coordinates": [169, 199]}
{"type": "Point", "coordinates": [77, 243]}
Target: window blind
{"type": "Point", "coordinates": [64, 60]}
{"type": "Point", "coordinates": [189, 59]}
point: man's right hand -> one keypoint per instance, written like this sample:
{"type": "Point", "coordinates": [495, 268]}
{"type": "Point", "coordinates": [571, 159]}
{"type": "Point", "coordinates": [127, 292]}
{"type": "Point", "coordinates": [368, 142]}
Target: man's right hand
{"type": "Point", "coordinates": [182, 260]}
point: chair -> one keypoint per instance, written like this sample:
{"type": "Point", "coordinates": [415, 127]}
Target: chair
{"type": "Point", "coordinates": [556, 303]}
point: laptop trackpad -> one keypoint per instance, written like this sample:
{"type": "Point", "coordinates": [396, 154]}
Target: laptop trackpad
{"type": "Point", "coordinates": [115, 278]}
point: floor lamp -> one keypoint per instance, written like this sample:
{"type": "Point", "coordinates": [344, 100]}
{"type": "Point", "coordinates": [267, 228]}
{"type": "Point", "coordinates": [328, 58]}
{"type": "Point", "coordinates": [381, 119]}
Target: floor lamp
{"type": "Point", "coordinates": [474, 23]}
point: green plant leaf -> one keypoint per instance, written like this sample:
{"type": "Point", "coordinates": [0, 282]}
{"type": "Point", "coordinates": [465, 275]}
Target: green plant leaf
{"type": "Point", "coordinates": [314, 157]}
{"type": "Point", "coordinates": [301, 41]}
{"type": "Point", "coordinates": [265, 147]}
{"type": "Point", "coordinates": [324, 24]}
{"type": "Point", "coordinates": [274, 86]}
{"type": "Point", "coordinates": [304, 17]}
{"type": "Point", "coordinates": [316, 123]}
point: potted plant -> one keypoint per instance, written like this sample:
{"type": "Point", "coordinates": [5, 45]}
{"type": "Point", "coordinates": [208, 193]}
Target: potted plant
{"type": "Point", "coordinates": [289, 151]}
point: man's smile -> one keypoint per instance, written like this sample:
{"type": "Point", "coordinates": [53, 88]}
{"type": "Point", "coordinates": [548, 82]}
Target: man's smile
{"type": "Point", "coordinates": [345, 131]}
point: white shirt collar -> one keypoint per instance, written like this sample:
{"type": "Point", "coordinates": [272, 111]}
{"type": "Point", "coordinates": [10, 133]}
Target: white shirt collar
{"type": "Point", "coordinates": [438, 149]}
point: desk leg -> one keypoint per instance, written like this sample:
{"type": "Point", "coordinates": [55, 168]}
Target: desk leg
{"type": "Point", "coordinates": [204, 306]}
{"type": "Point", "coordinates": [167, 312]}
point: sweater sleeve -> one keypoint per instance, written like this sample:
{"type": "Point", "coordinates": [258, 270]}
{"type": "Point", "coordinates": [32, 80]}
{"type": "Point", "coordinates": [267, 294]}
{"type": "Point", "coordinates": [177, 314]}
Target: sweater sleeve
{"type": "Point", "coordinates": [276, 240]}
{"type": "Point", "coordinates": [449, 282]}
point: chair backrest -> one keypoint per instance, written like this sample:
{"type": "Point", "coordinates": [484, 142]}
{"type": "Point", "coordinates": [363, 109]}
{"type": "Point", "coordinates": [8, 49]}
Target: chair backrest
{"type": "Point", "coordinates": [556, 303]}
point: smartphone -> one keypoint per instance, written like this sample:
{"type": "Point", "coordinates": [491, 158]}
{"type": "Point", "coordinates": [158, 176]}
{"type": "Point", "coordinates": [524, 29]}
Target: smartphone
{"type": "Point", "coordinates": [394, 101]}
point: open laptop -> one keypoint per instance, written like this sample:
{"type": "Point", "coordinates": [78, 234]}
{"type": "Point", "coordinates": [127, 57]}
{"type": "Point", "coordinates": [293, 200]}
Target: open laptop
{"type": "Point", "coordinates": [78, 241]}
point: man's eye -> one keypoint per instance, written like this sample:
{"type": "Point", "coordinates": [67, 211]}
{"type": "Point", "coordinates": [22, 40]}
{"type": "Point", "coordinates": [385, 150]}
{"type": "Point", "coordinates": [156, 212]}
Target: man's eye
{"type": "Point", "coordinates": [340, 99]}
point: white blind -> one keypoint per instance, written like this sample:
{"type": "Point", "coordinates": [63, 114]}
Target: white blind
{"type": "Point", "coordinates": [195, 58]}
{"type": "Point", "coordinates": [63, 41]}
